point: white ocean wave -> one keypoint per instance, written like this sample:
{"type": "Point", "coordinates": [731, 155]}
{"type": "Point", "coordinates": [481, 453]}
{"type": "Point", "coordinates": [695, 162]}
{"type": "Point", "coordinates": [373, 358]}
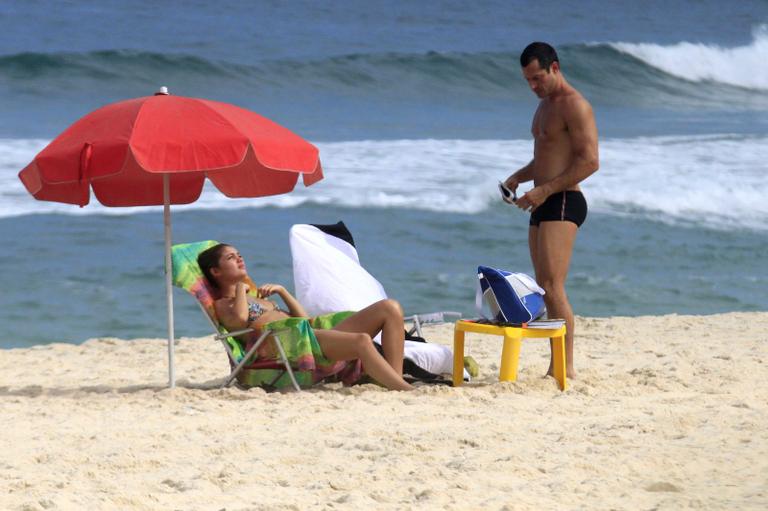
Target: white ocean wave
{"type": "Point", "coordinates": [742, 66]}
{"type": "Point", "coordinates": [714, 180]}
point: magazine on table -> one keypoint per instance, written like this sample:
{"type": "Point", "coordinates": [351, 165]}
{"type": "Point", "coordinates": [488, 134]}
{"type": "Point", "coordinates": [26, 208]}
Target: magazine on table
{"type": "Point", "coordinates": [541, 324]}
{"type": "Point", "coordinates": [546, 324]}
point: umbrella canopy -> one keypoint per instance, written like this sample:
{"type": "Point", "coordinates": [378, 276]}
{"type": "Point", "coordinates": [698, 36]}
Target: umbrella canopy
{"type": "Point", "coordinates": [158, 150]}
{"type": "Point", "coordinates": [122, 151]}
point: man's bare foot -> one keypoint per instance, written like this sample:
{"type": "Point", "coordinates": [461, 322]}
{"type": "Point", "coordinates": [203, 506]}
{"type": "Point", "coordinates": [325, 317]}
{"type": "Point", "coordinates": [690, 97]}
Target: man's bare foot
{"type": "Point", "coordinates": [570, 373]}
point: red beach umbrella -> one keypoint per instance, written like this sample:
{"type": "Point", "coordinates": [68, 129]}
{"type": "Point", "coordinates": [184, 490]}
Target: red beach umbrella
{"type": "Point", "coordinates": [160, 149]}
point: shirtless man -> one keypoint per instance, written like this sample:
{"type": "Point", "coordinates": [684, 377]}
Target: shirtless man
{"type": "Point", "coordinates": [564, 154]}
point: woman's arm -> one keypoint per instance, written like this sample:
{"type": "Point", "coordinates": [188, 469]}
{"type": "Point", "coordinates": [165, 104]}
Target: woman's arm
{"type": "Point", "coordinates": [292, 303]}
{"type": "Point", "coordinates": [233, 313]}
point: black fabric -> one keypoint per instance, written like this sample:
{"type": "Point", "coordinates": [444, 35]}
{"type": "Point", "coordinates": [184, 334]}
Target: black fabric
{"type": "Point", "coordinates": [569, 206]}
{"type": "Point", "coordinates": [410, 368]}
{"type": "Point", "coordinates": [436, 381]}
{"type": "Point", "coordinates": [413, 337]}
{"type": "Point", "coordinates": [338, 230]}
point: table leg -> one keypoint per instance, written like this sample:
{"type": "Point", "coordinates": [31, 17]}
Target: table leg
{"type": "Point", "coordinates": [458, 357]}
{"type": "Point", "coordinates": [558, 353]}
{"type": "Point", "coordinates": [510, 356]}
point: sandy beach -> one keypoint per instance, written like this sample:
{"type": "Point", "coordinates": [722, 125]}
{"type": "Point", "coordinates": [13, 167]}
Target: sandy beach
{"type": "Point", "coordinates": [668, 412]}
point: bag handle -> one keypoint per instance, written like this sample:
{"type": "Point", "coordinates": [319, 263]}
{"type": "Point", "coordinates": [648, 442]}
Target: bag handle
{"type": "Point", "coordinates": [479, 297]}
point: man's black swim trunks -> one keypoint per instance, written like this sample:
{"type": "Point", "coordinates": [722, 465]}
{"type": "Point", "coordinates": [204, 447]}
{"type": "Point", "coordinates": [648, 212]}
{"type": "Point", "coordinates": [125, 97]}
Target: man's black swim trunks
{"type": "Point", "coordinates": [561, 206]}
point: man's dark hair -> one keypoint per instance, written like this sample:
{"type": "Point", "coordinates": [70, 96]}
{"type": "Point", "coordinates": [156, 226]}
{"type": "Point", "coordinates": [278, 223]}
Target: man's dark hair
{"type": "Point", "coordinates": [542, 52]}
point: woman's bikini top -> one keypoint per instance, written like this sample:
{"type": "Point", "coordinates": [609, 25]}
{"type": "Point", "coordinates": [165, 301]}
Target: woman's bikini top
{"type": "Point", "coordinates": [256, 310]}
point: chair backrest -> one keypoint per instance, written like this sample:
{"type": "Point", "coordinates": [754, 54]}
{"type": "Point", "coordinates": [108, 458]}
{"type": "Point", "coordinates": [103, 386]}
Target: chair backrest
{"type": "Point", "coordinates": [188, 276]}
{"type": "Point", "coordinates": [327, 273]}
{"type": "Point", "coordinates": [328, 277]}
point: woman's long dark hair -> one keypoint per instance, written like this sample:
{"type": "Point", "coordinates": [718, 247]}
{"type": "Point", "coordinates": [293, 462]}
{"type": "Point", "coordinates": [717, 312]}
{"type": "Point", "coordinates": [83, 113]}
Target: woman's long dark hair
{"type": "Point", "coordinates": [209, 258]}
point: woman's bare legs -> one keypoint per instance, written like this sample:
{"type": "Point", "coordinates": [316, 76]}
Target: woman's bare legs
{"type": "Point", "coordinates": [338, 345]}
{"type": "Point", "coordinates": [385, 316]}
{"type": "Point", "coordinates": [351, 339]}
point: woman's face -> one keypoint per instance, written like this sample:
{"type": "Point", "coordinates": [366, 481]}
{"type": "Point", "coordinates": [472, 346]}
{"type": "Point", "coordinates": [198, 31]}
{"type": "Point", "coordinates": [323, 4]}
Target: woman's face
{"type": "Point", "coordinates": [231, 265]}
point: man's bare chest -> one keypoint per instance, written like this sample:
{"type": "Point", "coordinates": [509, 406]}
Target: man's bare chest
{"type": "Point", "coordinates": [548, 124]}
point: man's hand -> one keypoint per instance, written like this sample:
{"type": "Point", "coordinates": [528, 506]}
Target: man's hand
{"type": "Point", "coordinates": [532, 199]}
{"type": "Point", "coordinates": [512, 183]}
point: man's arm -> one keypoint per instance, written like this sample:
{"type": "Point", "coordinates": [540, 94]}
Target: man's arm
{"type": "Point", "coordinates": [521, 176]}
{"type": "Point", "coordinates": [582, 130]}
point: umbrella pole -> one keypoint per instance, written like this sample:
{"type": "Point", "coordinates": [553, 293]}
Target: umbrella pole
{"type": "Point", "coordinates": [168, 272]}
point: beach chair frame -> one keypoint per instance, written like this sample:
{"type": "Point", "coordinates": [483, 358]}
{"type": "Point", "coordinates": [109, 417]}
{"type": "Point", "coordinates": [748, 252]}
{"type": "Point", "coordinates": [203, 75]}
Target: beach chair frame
{"type": "Point", "coordinates": [418, 320]}
{"type": "Point", "coordinates": [187, 276]}
{"type": "Point", "coordinates": [236, 367]}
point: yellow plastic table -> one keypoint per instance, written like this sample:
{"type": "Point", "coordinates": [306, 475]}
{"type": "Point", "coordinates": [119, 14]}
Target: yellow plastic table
{"type": "Point", "coordinates": [510, 353]}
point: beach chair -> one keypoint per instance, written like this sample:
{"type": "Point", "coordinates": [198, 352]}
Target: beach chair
{"type": "Point", "coordinates": [325, 260]}
{"type": "Point", "coordinates": [328, 276]}
{"type": "Point", "coordinates": [188, 276]}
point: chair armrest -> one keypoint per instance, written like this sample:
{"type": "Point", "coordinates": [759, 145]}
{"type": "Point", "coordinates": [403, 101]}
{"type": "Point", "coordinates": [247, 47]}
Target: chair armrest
{"type": "Point", "coordinates": [433, 317]}
{"type": "Point", "coordinates": [221, 336]}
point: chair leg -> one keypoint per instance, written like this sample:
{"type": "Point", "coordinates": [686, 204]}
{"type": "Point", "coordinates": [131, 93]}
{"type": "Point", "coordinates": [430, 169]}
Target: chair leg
{"type": "Point", "coordinates": [245, 359]}
{"type": "Point", "coordinates": [417, 326]}
{"type": "Point", "coordinates": [286, 363]}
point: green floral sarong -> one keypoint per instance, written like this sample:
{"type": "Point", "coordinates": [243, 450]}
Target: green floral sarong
{"type": "Point", "coordinates": [298, 340]}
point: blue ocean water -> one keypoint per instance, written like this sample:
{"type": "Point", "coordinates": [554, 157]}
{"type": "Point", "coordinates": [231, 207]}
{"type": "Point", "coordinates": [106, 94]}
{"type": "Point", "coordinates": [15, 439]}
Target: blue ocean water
{"type": "Point", "coordinates": [418, 109]}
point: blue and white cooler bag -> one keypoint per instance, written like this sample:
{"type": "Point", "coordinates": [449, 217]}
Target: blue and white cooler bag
{"type": "Point", "coordinates": [511, 297]}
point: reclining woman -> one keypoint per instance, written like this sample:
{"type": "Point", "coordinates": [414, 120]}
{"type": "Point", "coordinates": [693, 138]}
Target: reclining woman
{"type": "Point", "coordinates": [349, 340]}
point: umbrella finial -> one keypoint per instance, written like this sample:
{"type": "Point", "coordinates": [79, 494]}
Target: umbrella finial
{"type": "Point", "coordinates": [163, 91]}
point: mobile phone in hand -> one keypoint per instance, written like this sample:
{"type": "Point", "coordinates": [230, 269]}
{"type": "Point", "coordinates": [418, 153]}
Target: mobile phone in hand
{"type": "Point", "coordinates": [507, 195]}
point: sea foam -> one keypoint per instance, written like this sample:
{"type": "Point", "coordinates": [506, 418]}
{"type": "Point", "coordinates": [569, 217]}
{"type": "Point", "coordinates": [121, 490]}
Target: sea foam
{"type": "Point", "coordinates": [741, 66]}
{"type": "Point", "coordinates": [716, 181]}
